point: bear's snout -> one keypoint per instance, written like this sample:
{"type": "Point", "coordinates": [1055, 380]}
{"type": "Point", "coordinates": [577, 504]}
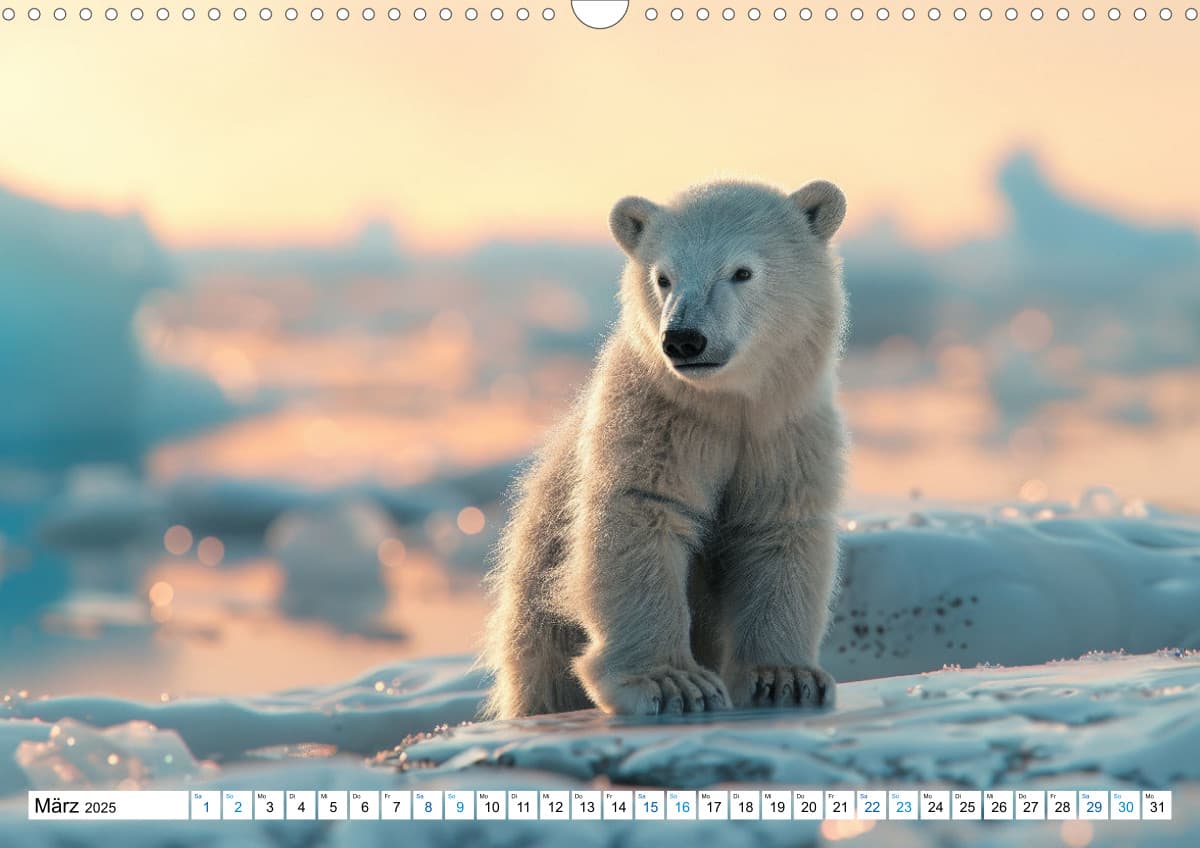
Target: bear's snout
{"type": "Point", "coordinates": [683, 344]}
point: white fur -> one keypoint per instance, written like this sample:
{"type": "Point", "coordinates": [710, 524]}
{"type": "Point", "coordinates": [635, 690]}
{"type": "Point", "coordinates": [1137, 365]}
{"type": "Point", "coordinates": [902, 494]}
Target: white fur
{"type": "Point", "coordinates": [673, 547]}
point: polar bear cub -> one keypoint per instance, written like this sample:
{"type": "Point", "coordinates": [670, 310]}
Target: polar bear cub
{"type": "Point", "coordinates": [673, 547]}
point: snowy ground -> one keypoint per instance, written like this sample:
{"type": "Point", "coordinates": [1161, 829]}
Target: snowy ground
{"type": "Point", "coordinates": [1010, 588]}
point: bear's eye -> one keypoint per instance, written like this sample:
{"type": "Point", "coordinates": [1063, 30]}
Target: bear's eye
{"type": "Point", "coordinates": [741, 275]}
{"type": "Point", "coordinates": [664, 282]}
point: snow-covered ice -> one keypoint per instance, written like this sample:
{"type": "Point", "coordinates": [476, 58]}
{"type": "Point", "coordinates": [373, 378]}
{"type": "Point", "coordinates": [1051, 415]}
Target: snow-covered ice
{"type": "Point", "coordinates": [368, 714]}
{"type": "Point", "coordinates": [1021, 587]}
{"type": "Point", "coordinates": [79, 756]}
{"type": "Point", "coordinates": [1122, 720]}
{"type": "Point", "coordinates": [1102, 721]}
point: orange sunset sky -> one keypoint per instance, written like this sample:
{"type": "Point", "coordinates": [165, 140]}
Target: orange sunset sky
{"type": "Point", "coordinates": [256, 132]}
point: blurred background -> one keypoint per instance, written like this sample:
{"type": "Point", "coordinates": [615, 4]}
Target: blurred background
{"type": "Point", "coordinates": [284, 306]}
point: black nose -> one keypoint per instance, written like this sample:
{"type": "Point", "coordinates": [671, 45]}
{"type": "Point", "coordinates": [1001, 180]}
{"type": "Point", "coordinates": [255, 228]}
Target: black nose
{"type": "Point", "coordinates": [683, 344]}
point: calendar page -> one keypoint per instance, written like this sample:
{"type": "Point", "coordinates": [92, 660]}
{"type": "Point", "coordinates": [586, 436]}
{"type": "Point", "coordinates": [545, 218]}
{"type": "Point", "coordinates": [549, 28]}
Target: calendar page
{"type": "Point", "coordinates": [599, 423]}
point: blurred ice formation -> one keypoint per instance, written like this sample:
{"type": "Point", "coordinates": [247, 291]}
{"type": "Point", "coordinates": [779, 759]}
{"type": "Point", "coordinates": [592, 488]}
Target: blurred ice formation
{"type": "Point", "coordinates": [227, 506]}
{"type": "Point", "coordinates": [107, 522]}
{"type": "Point", "coordinates": [1049, 224]}
{"type": "Point", "coordinates": [331, 561]}
{"type": "Point", "coordinates": [71, 373]}
{"type": "Point", "coordinates": [374, 251]}
{"type": "Point", "coordinates": [127, 756]}
{"type": "Point", "coordinates": [101, 506]}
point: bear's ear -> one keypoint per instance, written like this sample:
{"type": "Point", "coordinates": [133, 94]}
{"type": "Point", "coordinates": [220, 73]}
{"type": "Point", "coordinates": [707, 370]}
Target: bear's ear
{"type": "Point", "coordinates": [824, 207]}
{"type": "Point", "coordinates": [628, 221]}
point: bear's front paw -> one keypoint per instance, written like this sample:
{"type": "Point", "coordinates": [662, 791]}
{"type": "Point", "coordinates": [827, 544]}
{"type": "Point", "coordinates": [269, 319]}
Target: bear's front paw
{"type": "Point", "coordinates": [662, 691]}
{"type": "Point", "coordinates": [781, 686]}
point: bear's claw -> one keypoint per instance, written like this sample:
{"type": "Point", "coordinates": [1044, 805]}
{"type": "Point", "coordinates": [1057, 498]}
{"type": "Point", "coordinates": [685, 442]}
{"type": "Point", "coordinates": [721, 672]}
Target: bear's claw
{"type": "Point", "coordinates": [665, 691]}
{"type": "Point", "coordinates": [783, 686]}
